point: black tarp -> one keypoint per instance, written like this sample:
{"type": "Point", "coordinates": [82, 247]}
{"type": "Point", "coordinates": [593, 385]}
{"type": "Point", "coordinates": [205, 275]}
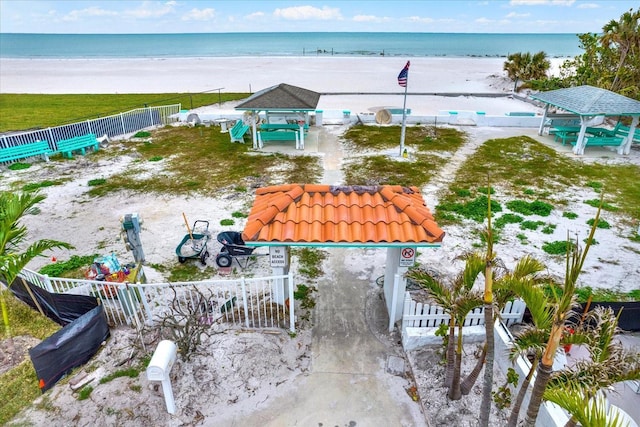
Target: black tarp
{"type": "Point", "coordinates": [61, 308]}
{"type": "Point", "coordinates": [629, 317]}
{"type": "Point", "coordinates": [70, 347]}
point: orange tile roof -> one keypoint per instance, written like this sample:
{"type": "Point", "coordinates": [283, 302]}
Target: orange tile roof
{"type": "Point", "coordinates": [312, 213]}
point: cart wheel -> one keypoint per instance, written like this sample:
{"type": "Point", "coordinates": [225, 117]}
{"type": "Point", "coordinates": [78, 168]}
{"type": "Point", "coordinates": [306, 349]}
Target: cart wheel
{"type": "Point", "coordinates": [203, 257]}
{"type": "Point", "coordinates": [181, 260]}
{"type": "Point", "coordinates": [223, 260]}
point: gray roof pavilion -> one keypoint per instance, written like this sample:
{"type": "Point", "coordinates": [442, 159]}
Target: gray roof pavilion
{"type": "Point", "coordinates": [277, 101]}
{"type": "Point", "coordinates": [589, 103]}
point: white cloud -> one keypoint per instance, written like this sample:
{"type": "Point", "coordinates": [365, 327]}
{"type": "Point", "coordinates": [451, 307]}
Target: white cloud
{"type": "Point", "coordinates": [77, 15]}
{"type": "Point", "coordinates": [255, 15]}
{"type": "Point", "coordinates": [518, 15]}
{"type": "Point", "coordinates": [199, 15]}
{"type": "Point", "coordinates": [370, 18]}
{"type": "Point", "coordinates": [421, 20]}
{"type": "Point", "coordinates": [151, 9]}
{"type": "Point", "coordinates": [484, 21]}
{"type": "Point", "coordinates": [304, 13]}
{"type": "Point", "coordinates": [542, 2]}
{"type": "Point", "coordinates": [588, 6]}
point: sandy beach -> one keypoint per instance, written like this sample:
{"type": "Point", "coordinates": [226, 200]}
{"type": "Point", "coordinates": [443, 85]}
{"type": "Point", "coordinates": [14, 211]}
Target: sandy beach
{"type": "Point", "coordinates": [250, 74]}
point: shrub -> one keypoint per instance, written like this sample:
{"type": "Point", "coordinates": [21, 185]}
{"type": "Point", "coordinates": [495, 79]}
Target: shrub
{"type": "Point", "coordinates": [548, 229]}
{"type": "Point", "coordinates": [559, 247]}
{"type": "Point", "coordinates": [155, 158]}
{"type": "Point", "coordinates": [605, 206]}
{"type": "Point", "coordinates": [601, 223]}
{"type": "Point", "coordinates": [57, 269]}
{"type": "Point", "coordinates": [485, 190]}
{"type": "Point", "coordinates": [95, 182]}
{"type": "Point", "coordinates": [529, 192]}
{"type": "Point", "coordinates": [462, 192]}
{"type": "Point", "coordinates": [507, 218]}
{"type": "Point", "coordinates": [597, 186]}
{"type": "Point", "coordinates": [35, 185]}
{"type": "Point", "coordinates": [530, 208]}
{"type": "Point", "coordinates": [475, 209]}
{"type": "Point", "coordinates": [142, 134]}
{"type": "Point", "coordinates": [85, 392]}
{"type": "Point", "coordinates": [239, 215]}
{"type": "Point", "coordinates": [570, 215]}
{"type": "Point", "coordinates": [227, 222]}
{"type": "Point", "coordinates": [530, 225]}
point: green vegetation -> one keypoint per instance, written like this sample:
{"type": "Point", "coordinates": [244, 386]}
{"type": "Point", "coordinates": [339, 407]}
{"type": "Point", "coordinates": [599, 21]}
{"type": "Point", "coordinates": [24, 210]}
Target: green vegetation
{"type": "Point", "coordinates": [548, 229]}
{"type": "Point", "coordinates": [530, 225]}
{"type": "Point", "coordinates": [530, 208]}
{"type": "Point", "coordinates": [559, 247]}
{"type": "Point", "coordinates": [538, 166]}
{"type": "Point", "coordinates": [128, 372]}
{"type": "Point", "coordinates": [239, 214]}
{"type": "Point", "coordinates": [85, 392]}
{"type": "Point", "coordinates": [142, 134]}
{"type": "Point", "coordinates": [18, 166]}
{"type": "Point", "coordinates": [605, 206]}
{"type": "Point", "coordinates": [17, 110]}
{"type": "Point", "coordinates": [74, 267]}
{"type": "Point", "coordinates": [227, 221]}
{"type": "Point", "coordinates": [475, 209]}
{"type": "Point", "coordinates": [96, 182]}
{"type": "Point", "coordinates": [606, 295]}
{"type": "Point", "coordinates": [427, 142]}
{"type": "Point", "coordinates": [156, 158]}
{"type": "Point", "coordinates": [187, 272]}
{"type": "Point", "coordinates": [570, 215]}
{"type": "Point", "coordinates": [507, 218]}
{"type": "Point", "coordinates": [310, 260]}
{"type": "Point", "coordinates": [36, 185]}
{"type": "Point", "coordinates": [601, 223]}
{"type": "Point", "coordinates": [188, 157]}
{"type": "Point", "coordinates": [304, 294]}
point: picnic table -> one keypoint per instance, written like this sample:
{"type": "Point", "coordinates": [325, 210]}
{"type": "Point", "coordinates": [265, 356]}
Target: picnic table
{"type": "Point", "coordinates": [570, 133]}
{"type": "Point", "coordinates": [282, 132]}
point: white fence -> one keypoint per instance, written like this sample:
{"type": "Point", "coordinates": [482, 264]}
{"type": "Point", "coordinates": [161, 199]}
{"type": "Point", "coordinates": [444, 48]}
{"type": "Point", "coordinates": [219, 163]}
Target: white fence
{"type": "Point", "coordinates": [112, 126]}
{"type": "Point", "coordinates": [419, 315]}
{"type": "Point", "coordinates": [248, 302]}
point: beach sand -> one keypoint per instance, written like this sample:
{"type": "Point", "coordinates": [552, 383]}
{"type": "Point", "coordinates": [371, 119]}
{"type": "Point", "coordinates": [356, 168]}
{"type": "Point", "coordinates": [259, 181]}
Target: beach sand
{"type": "Point", "coordinates": [69, 214]}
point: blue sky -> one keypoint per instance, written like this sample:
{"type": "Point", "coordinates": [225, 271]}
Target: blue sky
{"type": "Point", "coordinates": [176, 16]}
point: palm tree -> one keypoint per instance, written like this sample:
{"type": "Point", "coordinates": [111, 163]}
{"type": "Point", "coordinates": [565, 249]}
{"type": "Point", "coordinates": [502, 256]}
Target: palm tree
{"type": "Point", "coordinates": [458, 298]}
{"type": "Point", "coordinates": [13, 206]}
{"type": "Point", "coordinates": [608, 362]}
{"type": "Point", "coordinates": [625, 35]}
{"type": "Point", "coordinates": [524, 66]}
{"type": "Point", "coordinates": [562, 305]}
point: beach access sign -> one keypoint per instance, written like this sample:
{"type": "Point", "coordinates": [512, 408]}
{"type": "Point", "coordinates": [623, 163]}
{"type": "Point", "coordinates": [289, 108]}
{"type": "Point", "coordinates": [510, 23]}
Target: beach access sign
{"type": "Point", "coordinates": [278, 256]}
{"type": "Point", "coordinates": [407, 257]}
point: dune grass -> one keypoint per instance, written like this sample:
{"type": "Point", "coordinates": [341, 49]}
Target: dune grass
{"type": "Point", "coordinates": [428, 145]}
{"type": "Point", "coordinates": [28, 111]}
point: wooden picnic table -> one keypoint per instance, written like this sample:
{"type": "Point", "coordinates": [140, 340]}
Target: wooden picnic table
{"type": "Point", "coordinates": [570, 133]}
{"type": "Point", "coordinates": [281, 126]}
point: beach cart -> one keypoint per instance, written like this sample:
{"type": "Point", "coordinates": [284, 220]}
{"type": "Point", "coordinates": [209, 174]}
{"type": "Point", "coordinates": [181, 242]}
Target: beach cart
{"type": "Point", "coordinates": [233, 247]}
{"type": "Point", "coordinates": [194, 244]}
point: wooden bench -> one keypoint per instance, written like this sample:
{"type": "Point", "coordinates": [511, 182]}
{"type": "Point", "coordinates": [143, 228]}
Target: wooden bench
{"type": "Point", "coordinates": [623, 131]}
{"type": "Point", "coordinates": [78, 143]}
{"type": "Point", "coordinates": [277, 136]}
{"type": "Point", "coordinates": [237, 131]}
{"type": "Point", "coordinates": [602, 141]}
{"type": "Point", "coordinates": [565, 136]}
{"type": "Point", "coordinates": [33, 149]}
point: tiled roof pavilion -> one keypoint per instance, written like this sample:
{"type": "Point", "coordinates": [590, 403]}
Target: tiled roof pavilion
{"type": "Point", "coordinates": [324, 215]}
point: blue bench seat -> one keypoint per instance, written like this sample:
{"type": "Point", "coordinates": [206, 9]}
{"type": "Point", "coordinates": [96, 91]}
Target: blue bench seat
{"type": "Point", "coordinates": [78, 143]}
{"type": "Point", "coordinates": [602, 141]}
{"type": "Point", "coordinates": [18, 152]}
{"type": "Point", "coordinates": [278, 136]}
{"type": "Point", "coordinates": [238, 131]}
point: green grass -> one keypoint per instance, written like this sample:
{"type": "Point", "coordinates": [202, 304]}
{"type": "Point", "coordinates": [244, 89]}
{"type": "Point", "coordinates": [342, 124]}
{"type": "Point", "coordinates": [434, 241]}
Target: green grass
{"type": "Point", "coordinates": [605, 206]}
{"type": "Point", "coordinates": [75, 267]}
{"type": "Point", "coordinates": [559, 247]}
{"type": "Point", "coordinates": [530, 208]}
{"type": "Point", "coordinates": [606, 295]}
{"type": "Point", "coordinates": [42, 184]}
{"type": "Point", "coordinates": [601, 223]}
{"type": "Point", "coordinates": [227, 221]}
{"type": "Point", "coordinates": [29, 111]}
{"type": "Point", "coordinates": [19, 166]}
{"type": "Point", "coordinates": [570, 215]}
{"type": "Point", "coordinates": [19, 386]}
{"type": "Point", "coordinates": [128, 372]}
{"type": "Point", "coordinates": [96, 182]}
{"type": "Point", "coordinates": [205, 163]}
{"type": "Point", "coordinates": [538, 166]}
{"type": "Point", "coordinates": [475, 209]}
{"type": "Point", "coordinates": [507, 218]}
{"type": "Point", "coordinates": [310, 260]}
{"type": "Point", "coordinates": [427, 142]}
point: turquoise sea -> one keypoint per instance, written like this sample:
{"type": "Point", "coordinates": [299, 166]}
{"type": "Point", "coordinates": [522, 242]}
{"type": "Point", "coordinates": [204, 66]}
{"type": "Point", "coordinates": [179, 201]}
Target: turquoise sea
{"type": "Point", "coordinates": [283, 44]}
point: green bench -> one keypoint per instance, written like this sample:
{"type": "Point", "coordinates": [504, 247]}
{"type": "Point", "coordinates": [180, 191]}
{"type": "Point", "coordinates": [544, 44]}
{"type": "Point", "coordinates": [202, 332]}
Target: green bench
{"type": "Point", "coordinates": [602, 141]}
{"type": "Point", "coordinates": [78, 143]}
{"type": "Point", "coordinates": [237, 131]}
{"type": "Point", "coordinates": [33, 149]}
{"type": "Point", "coordinates": [623, 131]}
{"type": "Point", "coordinates": [278, 136]}
{"type": "Point", "coordinates": [566, 136]}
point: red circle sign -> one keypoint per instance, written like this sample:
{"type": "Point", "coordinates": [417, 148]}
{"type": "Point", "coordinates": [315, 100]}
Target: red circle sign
{"type": "Point", "coordinates": [408, 253]}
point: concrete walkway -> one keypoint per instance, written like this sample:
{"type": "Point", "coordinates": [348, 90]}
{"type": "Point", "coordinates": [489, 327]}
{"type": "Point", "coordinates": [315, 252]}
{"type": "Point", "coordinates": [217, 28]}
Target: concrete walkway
{"type": "Point", "coordinates": [358, 374]}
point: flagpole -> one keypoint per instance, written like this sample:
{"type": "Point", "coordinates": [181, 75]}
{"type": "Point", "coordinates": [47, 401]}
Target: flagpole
{"type": "Point", "coordinates": [404, 118]}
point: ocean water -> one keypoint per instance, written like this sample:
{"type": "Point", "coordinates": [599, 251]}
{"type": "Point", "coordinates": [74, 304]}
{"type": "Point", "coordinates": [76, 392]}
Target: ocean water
{"type": "Point", "coordinates": [283, 44]}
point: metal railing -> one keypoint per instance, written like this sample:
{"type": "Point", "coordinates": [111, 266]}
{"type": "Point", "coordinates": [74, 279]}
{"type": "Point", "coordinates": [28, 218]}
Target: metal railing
{"type": "Point", "coordinates": [111, 126]}
{"type": "Point", "coordinates": [253, 303]}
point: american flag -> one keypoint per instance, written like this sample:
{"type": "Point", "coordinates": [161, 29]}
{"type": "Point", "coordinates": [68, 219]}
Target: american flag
{"type": "Point", "coordinates": [404, 75]}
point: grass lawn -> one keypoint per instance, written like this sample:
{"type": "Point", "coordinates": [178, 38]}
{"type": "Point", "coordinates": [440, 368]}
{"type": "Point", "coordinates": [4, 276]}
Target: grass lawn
{"type": "Point", "coordinates": [29, 111]}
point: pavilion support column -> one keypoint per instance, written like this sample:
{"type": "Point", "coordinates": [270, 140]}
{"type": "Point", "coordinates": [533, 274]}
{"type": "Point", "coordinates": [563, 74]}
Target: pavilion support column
{"type": "Point", "coordinates": [626, 147]}
{"type": "Point", "coordinates": [395, 285]}
{"type": "Point", "coordinates": [544, 120]}
{"type": "Point", "coordinates": [279, 257]}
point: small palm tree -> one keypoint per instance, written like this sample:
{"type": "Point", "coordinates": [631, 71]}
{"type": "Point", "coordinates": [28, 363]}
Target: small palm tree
{"type": "Point", "coordinates": [524, 66]}
{"type": "Point", "coordinates": [13, 258]}
{"type": "Point", "coordinates": [562, 305]}
{"type": "Point", "coordinates": [624, 34]}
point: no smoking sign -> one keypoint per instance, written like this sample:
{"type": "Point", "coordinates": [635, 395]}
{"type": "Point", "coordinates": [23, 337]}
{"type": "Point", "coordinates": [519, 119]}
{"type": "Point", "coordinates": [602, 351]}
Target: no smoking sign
{"type": "Point", "coordinates": [407, 257]}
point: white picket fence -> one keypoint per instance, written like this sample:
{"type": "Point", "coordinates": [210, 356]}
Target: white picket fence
{"type": "Point", "coordinates": [419, 315]}
{"type": "Point", "coordinates": [257, 303]}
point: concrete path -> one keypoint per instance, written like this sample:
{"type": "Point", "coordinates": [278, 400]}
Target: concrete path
{"type": "Point", "coordinates": [349, 383]}
{"type": "Point", "coordinates": [358, 375]}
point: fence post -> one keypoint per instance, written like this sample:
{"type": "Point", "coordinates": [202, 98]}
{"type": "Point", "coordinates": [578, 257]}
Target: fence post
{"type": "Point", "coordinates": [292, 316]}
{"type": "Point", "coordinates": [244, 302]}
{"type": "Point", "coordinates": [122, 122]}
{"type": "Point", "coordinates": [89, 125]}
{"type": "Point", "coordinates": [406, 310]}
{"type": "Point", "coordinates": [145, 304]}
{"type": "Point", "coordinates": [150, 117]}
{"type": "Point", "coordinates": [51, 141]}
{"type": "Point", "coordinates": [47, 283]}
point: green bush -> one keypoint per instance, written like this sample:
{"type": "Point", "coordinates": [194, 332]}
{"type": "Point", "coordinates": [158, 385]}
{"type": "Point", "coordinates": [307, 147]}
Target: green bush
{"type": "Point", "coordinates": [57, 269]}
{"type": "Point", "coordinates": [559, 247]}
{"type": "Point", "coordinates": [485, 190]}
{"type": "Point", "coordinates": [85, 392]}
{"type": "Point", "coordinates": [155, 158]}
{"type": "Point", "coordinates": [142, 134]}
{"type": "Point", "coordinates": [36, 185]}
{"type": "Point", "coordinates": [507, 218]}
{"type": "Point", "coordinates": [530, 208]}
{"type": "Point", "coordinates": [548, 229]}
{"type": "Point", "coordinates": [597, 186]}
{"type": "Point", "coordinates": [475, 209]}
{"type": "Point", "coordinates": [530, 225]}
{"type": "Point", "coordinates": [462, 192]}
{"type": "Point", "coordinates": [227, 222]}
{"type": "Point", "coordinates": [601, 223]}
{"type": "Point", "coordinates": [605, 206]}
{"type": "Point", "coordinates": [239, 215]}
{"type": "Point", "coordinates": [570, 215]}
{"type": "Point", "coordinates": [96, 182]}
